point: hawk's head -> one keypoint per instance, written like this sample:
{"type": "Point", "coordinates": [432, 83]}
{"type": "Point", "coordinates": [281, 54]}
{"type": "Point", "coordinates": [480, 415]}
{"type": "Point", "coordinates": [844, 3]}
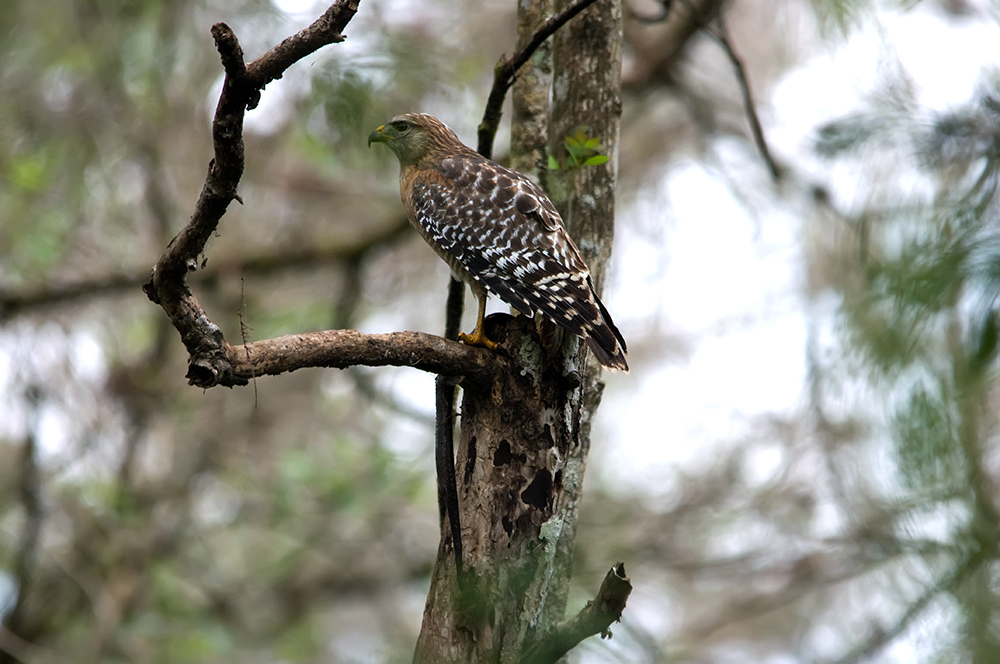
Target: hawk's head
{"type": "Point", "coordinates": [416, 136]}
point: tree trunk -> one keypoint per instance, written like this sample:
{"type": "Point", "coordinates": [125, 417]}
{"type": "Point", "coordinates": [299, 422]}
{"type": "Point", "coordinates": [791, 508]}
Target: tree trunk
{"type": "Point", "coordinates": [529, 125]}
{"type": "Point", "coordinates": [587, 57]}
{"type": "Point", "coordinates": [525, 435]}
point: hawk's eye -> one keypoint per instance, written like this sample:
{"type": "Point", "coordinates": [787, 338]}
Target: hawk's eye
{"type": "Point", "coordinates": [401, 126]}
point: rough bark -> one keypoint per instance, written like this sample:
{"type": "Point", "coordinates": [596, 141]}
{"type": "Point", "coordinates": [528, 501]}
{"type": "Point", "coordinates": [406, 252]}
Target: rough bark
{"type": "Point", "coordinates": [524, 433]}
{"type": "Point", "coordinates": [529, 127]}
{"type": "Point", "coordinates": [515, 459]}
{"type": "Point", "coordinates": [586, 92]}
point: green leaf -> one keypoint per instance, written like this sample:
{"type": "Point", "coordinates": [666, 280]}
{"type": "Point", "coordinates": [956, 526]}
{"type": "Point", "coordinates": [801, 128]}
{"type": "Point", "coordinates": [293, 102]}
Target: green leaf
{"type": "Point", "coordinates": [553, 164]}
{"type": "Point", "coordinates": [596, 160]}
{"type": "Point", "coordinates": [592, 143]}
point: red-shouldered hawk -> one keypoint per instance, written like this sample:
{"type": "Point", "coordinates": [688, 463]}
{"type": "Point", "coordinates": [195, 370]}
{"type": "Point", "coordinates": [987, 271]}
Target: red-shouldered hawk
{"type": "Point", "coordinates": [498, 232]}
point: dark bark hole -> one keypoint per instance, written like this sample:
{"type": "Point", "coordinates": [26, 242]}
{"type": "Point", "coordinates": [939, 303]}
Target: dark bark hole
{"type": "Point", "coordinates": [508, 526]}
{"type": "Point", "coordinates": [470, 460]}
{"type": "Point", "coordinates": [537, 493]}
{"type": "Point", "coordinates": [549, 437]}
{"type": "Point", "coordinates": [502, 455]}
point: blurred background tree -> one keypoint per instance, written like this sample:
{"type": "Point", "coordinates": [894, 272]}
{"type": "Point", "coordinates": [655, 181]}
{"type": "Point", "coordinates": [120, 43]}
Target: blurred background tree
{"type": "Point", "coordinates": [802, 465]}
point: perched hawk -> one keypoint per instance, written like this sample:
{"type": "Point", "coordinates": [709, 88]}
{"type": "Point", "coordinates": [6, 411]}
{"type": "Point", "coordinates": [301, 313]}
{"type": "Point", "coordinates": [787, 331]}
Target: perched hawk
{"type": "Point", "coordinates": [498, 232]}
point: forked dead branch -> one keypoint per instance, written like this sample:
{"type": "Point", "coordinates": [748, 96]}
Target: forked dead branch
{"type": "Point", "coordinates": [213, 361]}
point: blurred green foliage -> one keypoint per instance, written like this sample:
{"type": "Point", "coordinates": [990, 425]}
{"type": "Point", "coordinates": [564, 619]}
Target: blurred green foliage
{"type": "Point", "coordinates": [920, 297]}
{"type": "Point", "coordinates": [928, 449]}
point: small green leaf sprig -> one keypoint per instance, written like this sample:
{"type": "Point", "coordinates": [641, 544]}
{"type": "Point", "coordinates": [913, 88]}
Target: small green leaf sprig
{"type": "Point", "coordinates": [581, 149]}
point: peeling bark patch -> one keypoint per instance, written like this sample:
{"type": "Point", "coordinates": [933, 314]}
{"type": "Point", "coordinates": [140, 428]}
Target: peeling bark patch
{"type": "Point", "coordinates": [502, 456]}
{"type": "Point", "coordinates": [508, 525]}
{"type": "Point", "coordinates": [470, 460]}
{"type": "Point", "coordinates": [537, 493]}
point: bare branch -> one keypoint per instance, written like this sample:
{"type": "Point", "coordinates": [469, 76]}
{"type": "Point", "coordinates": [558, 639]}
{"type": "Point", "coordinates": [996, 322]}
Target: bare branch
{"type": "Point", "coordinates": [657, 52]}
{"type": "Point", "coordinates": [16, 302]}
{"type": "Point", "coordinates": [595, 618]}
{"type": "Point", "coordinates": [236, 365]}
{"type": "Point", "coordinates": [657, 58]}
{"type": "Point", "coordinates": [324, 31]}
{"type": "Point", "coordinates": [240, 91]}
{"type": "Point", "coordinates": [721, 35]}
{"type": "Point", "coordinates": [503, 74]}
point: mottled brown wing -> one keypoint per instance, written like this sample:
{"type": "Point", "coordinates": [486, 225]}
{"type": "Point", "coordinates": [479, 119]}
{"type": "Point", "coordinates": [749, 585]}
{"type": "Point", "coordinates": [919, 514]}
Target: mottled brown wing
{"type": "Point", "coordinates": [503, 230]}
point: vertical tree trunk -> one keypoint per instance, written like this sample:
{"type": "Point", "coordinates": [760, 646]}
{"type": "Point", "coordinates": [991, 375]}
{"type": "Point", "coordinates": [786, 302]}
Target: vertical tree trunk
{"type": "Point", "coordinates": [587, 57]}
{"type": "Point", "coordinates": [525, 436]}
{"type": "Point", "coordinates": [586, 87]}
{"type": "Point", "coordinates": [529, 131]}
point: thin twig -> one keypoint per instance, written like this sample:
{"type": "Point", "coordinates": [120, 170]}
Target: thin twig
{"type": "Point", "coordinates": [506, 69]}
{"type": "Point", "coordinates": [244, 334]}
{"type": "Point", "coordinates": [656, 58]}
{"type": "Point", "coordinates": [719, 32]}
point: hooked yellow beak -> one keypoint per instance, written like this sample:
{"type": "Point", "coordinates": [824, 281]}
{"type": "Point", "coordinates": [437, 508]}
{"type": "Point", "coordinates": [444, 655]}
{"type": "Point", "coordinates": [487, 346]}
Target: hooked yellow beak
{"type": "Point", "coordinates": [378, 137]}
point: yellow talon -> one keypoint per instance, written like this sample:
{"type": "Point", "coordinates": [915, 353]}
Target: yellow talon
{"type": "Point", "coordinates": [478, 336]}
